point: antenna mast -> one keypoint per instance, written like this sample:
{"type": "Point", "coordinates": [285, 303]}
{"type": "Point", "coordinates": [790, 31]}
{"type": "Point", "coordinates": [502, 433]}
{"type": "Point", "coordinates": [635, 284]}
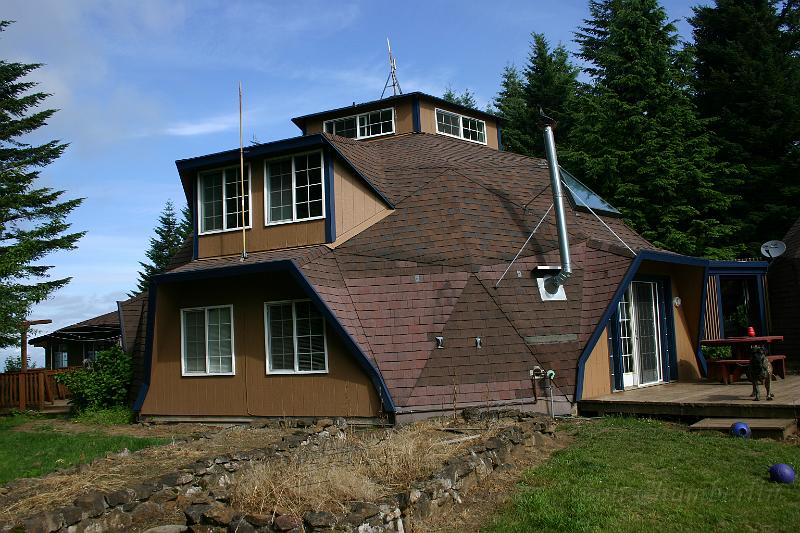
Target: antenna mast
{"type": "Point", "coordinates": [241, 177]}
{"type": "Point", "coordinates": [392, 79]}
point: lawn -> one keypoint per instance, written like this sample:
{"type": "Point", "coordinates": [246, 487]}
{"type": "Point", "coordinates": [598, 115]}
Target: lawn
{"type": "Point", "coordinates": [625, 474]}
{"type": "Point", "coordinates": [33, 453]}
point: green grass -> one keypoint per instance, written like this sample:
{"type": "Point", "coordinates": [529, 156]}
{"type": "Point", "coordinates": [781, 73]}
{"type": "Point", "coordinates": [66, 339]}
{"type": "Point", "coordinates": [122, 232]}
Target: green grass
{"type": "Point", "coordinates": [105, 417]}
{"type": "Point", "coordinates": [34, 453]}
{"type": "Point", "coordinates": [624, 474]}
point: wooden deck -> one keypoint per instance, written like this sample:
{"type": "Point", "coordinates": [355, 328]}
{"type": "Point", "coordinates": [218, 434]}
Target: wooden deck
{"type": "Point", "coordinates": [701, 399]}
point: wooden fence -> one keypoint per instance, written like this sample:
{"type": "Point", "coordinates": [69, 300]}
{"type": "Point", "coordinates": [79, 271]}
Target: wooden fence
{"type": "Point", "coordinates": [30, 389]}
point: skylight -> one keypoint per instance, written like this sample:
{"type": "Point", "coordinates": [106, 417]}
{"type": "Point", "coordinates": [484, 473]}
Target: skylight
{"type": "Point", "coordinates": [582, 196]}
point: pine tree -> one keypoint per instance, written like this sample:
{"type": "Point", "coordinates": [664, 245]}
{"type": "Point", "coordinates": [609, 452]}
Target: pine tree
{"type": "Point", "coordinates": [170, 235]}
{"type": "Point", "coordinates": [466, 98]}
{"type": "Point", "coordinates": [639, 142]}
{"type": "Point", "coordinates": [511, 106]}
{"type": "Point", "coordinates": [551, 84]}
{"type": "Point", "coordinates": [32, 219]}
{"type": "Point", "coordinates": [747, 68]}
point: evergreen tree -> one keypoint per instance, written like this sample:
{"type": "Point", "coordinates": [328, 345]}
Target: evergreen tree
{"type": "Point", "coordinates": [32, 219]}
{"type": "Point", "coordinates": [639, 142]}
{"type": "Point", "coordinates": [551, 84]}
{"type": "Point", "coordinates": [170, 235]}
{"type": "Point", "coordinates": [511, 106]}
{"type": "Point", "coordinates": [747, 80]}
{"type": "Point", "coordinates": [466, 98]}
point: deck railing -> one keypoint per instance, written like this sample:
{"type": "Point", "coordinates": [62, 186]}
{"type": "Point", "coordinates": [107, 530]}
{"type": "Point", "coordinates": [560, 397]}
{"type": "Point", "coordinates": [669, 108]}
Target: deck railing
{"type": "Point", "coordinates": [31, 389]}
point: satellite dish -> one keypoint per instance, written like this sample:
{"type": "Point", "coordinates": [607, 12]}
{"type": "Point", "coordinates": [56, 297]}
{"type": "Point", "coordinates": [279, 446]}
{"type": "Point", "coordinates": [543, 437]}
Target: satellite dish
{"type": "Point", "coordinates": [773, 249]}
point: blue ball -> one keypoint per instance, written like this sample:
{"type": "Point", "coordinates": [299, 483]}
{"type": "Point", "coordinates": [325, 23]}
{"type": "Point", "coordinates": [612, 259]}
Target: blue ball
{"type": "Point", "coordinates": [781, 473]}
{"type": "Point", "coordinates": [740, 429]}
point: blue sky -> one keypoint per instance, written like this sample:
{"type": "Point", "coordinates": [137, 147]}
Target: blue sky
{"type": "Point", "coordinates": [142, 83]}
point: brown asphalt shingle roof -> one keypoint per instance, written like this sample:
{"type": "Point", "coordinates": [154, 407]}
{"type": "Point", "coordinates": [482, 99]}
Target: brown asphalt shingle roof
{"type": "Point", "coordinates": [462, 212]}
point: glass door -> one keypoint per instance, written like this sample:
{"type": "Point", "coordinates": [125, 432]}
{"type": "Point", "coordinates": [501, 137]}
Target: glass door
{"type": "Point", "coordinates": [640, 335]}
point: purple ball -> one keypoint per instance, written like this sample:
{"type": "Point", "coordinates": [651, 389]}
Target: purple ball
{"type": "Point", "coordinates": [781, 473]}
{"type": "Point", "coordinates": [740, 429]}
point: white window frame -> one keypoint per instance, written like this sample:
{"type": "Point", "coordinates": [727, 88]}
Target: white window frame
{"type": "Point", "coordinates": [184, 372]}
{"type": "Point", "coordinates": [294, 340]}
{"type": "Point", "coordinates": [268, 199]}
{"type": "Point", "coordinates": [460, 126]}
{"type": "Point", "coordinates": [224, 203]}
{"type": "Point", "coordinates": [358, 129]}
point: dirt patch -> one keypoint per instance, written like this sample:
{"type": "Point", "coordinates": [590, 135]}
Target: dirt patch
{"type": "Point", "coordinates": [23, 497]}
{"type": "Point", "coordinates": [60, 425]}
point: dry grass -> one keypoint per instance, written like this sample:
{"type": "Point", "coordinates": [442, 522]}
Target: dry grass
{"type": "Point", "coordinates": [115, 472]}
{"type": "Point", "coordinates": [360, 468]}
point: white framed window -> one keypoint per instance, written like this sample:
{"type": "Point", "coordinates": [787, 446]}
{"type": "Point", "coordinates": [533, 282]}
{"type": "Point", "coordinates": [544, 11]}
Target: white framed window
{"type": "Point", "coordinates": [60, 356]}
{"type": "Point", "coordinates": [219, 199]}
{"type": "Point", "coordinates": [295, 338]}
{"type": "Point", "coordinates": [294, 188]}
{"type": "Point", "coordinates": [364, 125]}
{"type": "Point", "coordinates": [460, 126]}
{"type": "Point", "coordinates": [207, 341]}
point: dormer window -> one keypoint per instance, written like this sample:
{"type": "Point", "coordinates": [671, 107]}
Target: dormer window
{"type": "Point", "coordinates": [294, 190]}
{"type": "Point", "coordinates": [220, 199]}
{"type": "Point", "coordinates": [363, 126]}
{"type": "Point", "coordinates": [460, 126]}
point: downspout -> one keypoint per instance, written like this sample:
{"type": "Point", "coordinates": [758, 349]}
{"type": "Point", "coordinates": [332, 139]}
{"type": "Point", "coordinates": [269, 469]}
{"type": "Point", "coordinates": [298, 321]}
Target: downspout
{"type": "Point", "coordinates": [553, 283]}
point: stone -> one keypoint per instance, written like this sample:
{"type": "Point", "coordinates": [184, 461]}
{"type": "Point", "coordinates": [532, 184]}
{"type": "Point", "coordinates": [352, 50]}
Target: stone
{"type": "Point", "coordinates": [222, 459]}
{"type": "Point", "coordinates": [471, 414]}
{"type": "Point", "coordinates": [92, 504]}
{"type": "Point", "coordinates": [324, 422]}
{"type": "Point", "coordinates": [144, 490]}
{"type": "Point", "coordinates": [219, 515]}
{"type": "Point", "coordinates": [259, 520]}
{"type": "Point", "coordinates": [232, 467]}
{"type": "Point", "coordinates": [164, 495]}
{"type": "Point", "coordinates": [169, 528]}
{"type": "Point", "coordinates": [287, 522]}
{"type": "Point", "coordinates": [71, 514]}
{"type": "Point", "coordinates": [320, 520]}
{"type": "Point", "coordinates": [198, 468]}
{"type": "Point", "coordinates": [117, 520]}
{"type": "Point", "coordinates": [184, 478]}
{"type": "Point", "coordinates": [241, 456]}
{"type": "Point", "coordinates": [146, 512]}
{"type": "Point", "coordinates": [120, 497]}
{"type": "Point", "coordinates": [422, 507]}
{"type": "Point", "coordinates": [44, 522]}
{"type": "Point", "coordinates": [194, 513]}
{"type": "Point", "coordinates": [360, 512]}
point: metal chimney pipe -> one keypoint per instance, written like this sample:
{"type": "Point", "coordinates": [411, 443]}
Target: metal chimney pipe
{"type": "Point", "coordinates": [553, 283]}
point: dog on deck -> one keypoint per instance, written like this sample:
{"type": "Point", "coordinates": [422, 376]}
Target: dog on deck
{"type": "Point", "coordinates": [760, 371]}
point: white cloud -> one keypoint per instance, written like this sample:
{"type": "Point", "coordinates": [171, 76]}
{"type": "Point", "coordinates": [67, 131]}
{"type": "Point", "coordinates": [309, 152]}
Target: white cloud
{"type": "Point", "coordinates": [204, 126]}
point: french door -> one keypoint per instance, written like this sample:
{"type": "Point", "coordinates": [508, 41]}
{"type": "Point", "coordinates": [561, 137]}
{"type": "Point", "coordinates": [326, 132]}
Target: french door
{"type": "Point", "coordinates": [640, 347]}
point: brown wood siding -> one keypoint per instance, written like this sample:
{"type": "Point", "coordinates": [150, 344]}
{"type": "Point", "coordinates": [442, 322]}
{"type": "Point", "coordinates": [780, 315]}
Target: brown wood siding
{"type": "Point", "coordinates": [427, 119]}
{"type": "Point", "coordinates": [344, 391]}
{"type": "Point", "coordinates": [597, 370]}
{"type": "Point", "coordinates": [404, 119]}
{"type": "Point", "coordinates": [687, 283]}
{"type": "Point", "coordinates": [355, 203]}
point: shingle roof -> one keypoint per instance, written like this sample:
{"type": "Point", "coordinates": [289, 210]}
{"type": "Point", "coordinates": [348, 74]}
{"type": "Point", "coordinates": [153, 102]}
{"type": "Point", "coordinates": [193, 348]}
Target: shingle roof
{"type": "Point", "coordinates": [430, 268]}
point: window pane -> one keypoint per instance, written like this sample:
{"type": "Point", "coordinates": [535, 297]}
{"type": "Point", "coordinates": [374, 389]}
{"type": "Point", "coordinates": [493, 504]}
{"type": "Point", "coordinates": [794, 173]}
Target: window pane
{"type": "Point", "coordinates": [281, 337]}
{"type": "Point", "coordinates": [194, 341]}
{"type": "Point", "coordinates": [345, 127]}
{"type": "Point", "coordinates": [310, 338]}
{"type": "Point", "coordinates": [308, 184]}
{"type": "Point", "coordinates": [473, 129]}
{"type": "Point", "coordinates": [447, 123]}
{"type": "Point", "coordinates": [376, 123]}
{"type": "Point", "coordinates": [220, 341]}
{"type": "Point", "coordinates": [233, 198]}
{"type": "Point", "coordinates": [211, 201]}
{"type": "Point", "coordinates": [280, 190]}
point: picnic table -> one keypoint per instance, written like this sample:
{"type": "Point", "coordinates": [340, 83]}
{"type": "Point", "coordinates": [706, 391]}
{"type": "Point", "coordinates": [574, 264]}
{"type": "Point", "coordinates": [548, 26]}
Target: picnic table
{"type": "Point", "coordinates": [731, 370]}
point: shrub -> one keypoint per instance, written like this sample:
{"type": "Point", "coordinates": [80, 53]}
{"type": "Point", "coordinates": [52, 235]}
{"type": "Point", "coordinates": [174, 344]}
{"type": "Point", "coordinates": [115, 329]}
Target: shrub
{"type": "Point", "coordinates": [14, 363]}
{"type": "Point", "coordinates": [717, 352]}
{"type": "Point", "coordinates": [103, 385]}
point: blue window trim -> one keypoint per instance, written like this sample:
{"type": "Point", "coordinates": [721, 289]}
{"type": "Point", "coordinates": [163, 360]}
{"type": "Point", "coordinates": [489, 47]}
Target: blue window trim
{"type": "Point", "coordinates": [719, 307]}
{"type": "Point", "coordinates": [499, 138]}
{"type": "Point", "coordinates": [415, 114]}
{"type": "Point", "coordinates": [701, 360]}
{"type": "Point", "coordinates": [282, 266]}
{"type": "Point", "coordinates": [330, 199]}
{"type": "Point", "coordinates": [195, 228]}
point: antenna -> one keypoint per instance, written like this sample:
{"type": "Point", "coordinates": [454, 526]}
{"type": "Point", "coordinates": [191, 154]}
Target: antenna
{"type": "Point", "coordinates": [392, 79]}
{"type": "Point", "coordinates": [773, 249]}
{"type": "Point", "coordinates": [241, 177]}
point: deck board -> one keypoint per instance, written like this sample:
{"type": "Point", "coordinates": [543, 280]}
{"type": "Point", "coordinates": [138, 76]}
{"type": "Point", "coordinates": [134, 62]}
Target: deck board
{"type": "Point", "coordinates": [704, 398]}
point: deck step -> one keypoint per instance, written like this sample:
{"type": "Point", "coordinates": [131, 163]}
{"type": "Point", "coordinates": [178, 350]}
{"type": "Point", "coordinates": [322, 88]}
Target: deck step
{"type": "Point", "coordinates": [773, 428]}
